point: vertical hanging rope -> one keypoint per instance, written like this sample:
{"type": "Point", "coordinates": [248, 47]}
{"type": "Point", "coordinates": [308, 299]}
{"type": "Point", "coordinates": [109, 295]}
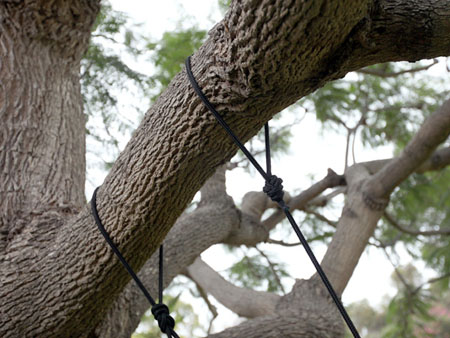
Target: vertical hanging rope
{"type": "Point", "coordinates": [274, 189]}
{"type": "Point", "coordinates": [160, 311]}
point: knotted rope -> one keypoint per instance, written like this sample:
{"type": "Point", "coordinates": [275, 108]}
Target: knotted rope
{"type": "Point", "coordinates": [160, 311]}
{"type": "Point", "coordinates": [274, 189]}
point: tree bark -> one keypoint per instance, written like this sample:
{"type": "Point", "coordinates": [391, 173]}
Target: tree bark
{"type": "Point", "coordinates": [58, 276]}
{"type": "Point", "coordinates": [244, 302]}
{"type": "Point", "coordinates": [42, 140]}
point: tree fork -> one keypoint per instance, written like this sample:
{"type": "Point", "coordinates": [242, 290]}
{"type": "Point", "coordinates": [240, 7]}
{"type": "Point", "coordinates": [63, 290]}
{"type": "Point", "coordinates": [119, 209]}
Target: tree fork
{"type": "Point", "coordinates": [156, 176]}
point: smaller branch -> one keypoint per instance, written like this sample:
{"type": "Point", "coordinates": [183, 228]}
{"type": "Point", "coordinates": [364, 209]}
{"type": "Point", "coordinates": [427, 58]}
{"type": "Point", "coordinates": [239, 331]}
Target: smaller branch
{"type": "Point", "coordinates": [431, 281]}
{"type": "Point", "coordinates": [211, 307]}
{"type": "Point", "coordinates": [350, 132]}
{"type": "Point", "coordinates": [378, 245]}
{"type": "Point", "coordinates": [439, 160]}
{"type": "Point", "coordinates": [413, 232]}
{"type": "Point", "coordinates": [86, 69]}
{"type": "Point", "coordinates": [431, 134]}
{"type": "Point", "coordinates": [300, 201]}
{"type": "Point", "coordinates": [214, 188]}
{"type": "Point", "coordinates": [251, 266]}
{"type": "Point", "coordinates": [244, 302]}
{"type": "Point", "coordinates": [310, 240]}
{"type": "Point", "coordinates": [322, 201]}
{"type": "Point", "coordinates": [395, 74]}
{"type": "Point", "coordinates": [383, 245]}
{"type": "Point", "coordinates": [386, 108]}
{"type": "Point", "coordinates": [320, 217]}
{"type": "Point", "coordinates": [97, 35]}
{"type": "Point", "coordinates": [398, 273]}
{"type": "Point", "coordinates": [272, 268]}
{"type": "Point", "coordinates": [353, 148]}
{"type": "Point", "coordinates": [347, 146]}
{"type": "Point", "coordinates": [282, 243]}
{"type": "Point", "coordinates": [339, 121]}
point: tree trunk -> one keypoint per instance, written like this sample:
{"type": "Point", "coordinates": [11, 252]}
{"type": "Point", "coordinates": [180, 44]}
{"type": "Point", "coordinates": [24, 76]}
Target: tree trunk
{"type": "Point", "coordinates": [43, 135]}
{"type": "Point", "coordinates": [58, 275]}
{"type": "Point", "coordinates": [42, 143]}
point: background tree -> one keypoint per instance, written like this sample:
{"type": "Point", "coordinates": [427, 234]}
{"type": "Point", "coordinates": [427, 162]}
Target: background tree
{"type": "Point", "coordinates": [59, 277]}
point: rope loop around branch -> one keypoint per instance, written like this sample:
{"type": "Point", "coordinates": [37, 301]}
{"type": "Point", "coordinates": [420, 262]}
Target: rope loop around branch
{"type": "Point", "coordinates": [160, 311]}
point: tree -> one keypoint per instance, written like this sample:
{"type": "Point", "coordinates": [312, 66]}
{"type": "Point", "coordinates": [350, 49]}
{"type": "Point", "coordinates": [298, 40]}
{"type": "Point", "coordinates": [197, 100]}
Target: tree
{"type": "Point", "coordinates": [58, 276]}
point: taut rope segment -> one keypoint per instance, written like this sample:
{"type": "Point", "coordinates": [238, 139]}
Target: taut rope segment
{"type": "Point", "coordinates": [159, 310]}
{"type": "Point", "coordinates": [274, 189]}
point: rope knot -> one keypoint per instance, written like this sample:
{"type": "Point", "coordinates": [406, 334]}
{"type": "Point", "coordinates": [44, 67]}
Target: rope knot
{"type": "Point", "coordinates": [165, 321]}
{"type": "Point", "coordinates": [274, 188]}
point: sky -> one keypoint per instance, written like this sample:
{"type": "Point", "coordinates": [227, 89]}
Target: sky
{"type": "Point", "coordinates": [312, 153]}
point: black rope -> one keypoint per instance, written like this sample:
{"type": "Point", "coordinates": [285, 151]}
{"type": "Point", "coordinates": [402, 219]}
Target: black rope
{"type": "Point", "coordinates": [161, 272]}
{"type": "Point", "coordinates": [266, 138]}
{"type": "Point", "coordinates": [274, 189]}
{"type": "Point", "coordinates": [160, 311]}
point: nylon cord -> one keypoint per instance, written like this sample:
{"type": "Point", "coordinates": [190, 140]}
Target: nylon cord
{"type": "Point", "coordinates": [162, 314]}
{"type": "Point", "coordinates": [274, 189]}
{"type": "Point", "coordinates": [221, 121]}
{"type": "Point", "coordinates": [161, 273]}
{"type": "Point", "coordinates": [268, 159]}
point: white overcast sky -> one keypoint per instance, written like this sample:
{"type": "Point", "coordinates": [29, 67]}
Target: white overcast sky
{"type": "Point", "coordinates": [312, 153]}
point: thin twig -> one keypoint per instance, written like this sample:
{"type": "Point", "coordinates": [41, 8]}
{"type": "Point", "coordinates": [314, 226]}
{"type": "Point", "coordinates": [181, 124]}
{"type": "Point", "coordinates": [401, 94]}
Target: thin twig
{"type": "Point", "coordinates": [320, 217]}
{"type": "Point", "coordinates": [395, 74]}
{"type": "Point", "coordinates": [398, 273]}
{"type": "Point", "coordinates": [322, 201]}
{"type": "Point", "coordinates": [272, 268]}
{"type": "Point", "coordinates": [347, 146]}
{"type": "Point", "coordinates": [282, 243]}
{"type": "Point", "coordinates": [211, 307]}
{"type": "Point", "coordinates": [432, 280]}
{"type": "Point", "coordinates": [98, 35]}
{"type": "Point", "coordinates": [413, 232]}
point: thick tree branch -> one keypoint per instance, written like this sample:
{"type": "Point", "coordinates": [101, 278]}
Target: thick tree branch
{"type": "Point", "coordinates": [244, 302]}
{"type": "Point", "coordinates": [306, 311]}
{"type": "Point", "coordinates": [432, 133]}
{"type": "Point", "coordinates": [355, 226]}
{"type": "Point", "coordinates": [214, 191]}
{"type": "Point", "coordinates": [362, 211]}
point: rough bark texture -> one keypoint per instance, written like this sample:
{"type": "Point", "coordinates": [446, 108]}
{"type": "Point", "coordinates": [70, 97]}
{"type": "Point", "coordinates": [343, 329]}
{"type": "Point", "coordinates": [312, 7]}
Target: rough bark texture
{"type": "Point", "coordinates": [42, 168]}
{"type": "Point", "coordinates": [42, 136]}
{"type": "Point", "coordinates": [58, 276]}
